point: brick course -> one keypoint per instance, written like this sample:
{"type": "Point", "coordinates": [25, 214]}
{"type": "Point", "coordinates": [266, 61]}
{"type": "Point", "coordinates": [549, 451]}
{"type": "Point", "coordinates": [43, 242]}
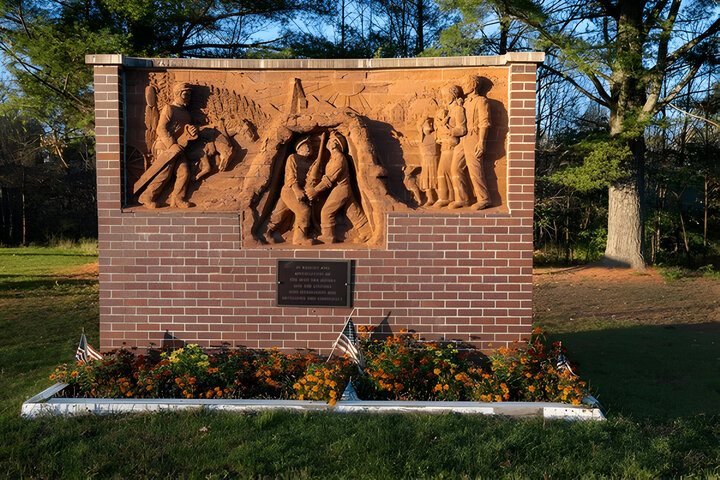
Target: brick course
{"type": "Point", "coordinates": [464, 277]}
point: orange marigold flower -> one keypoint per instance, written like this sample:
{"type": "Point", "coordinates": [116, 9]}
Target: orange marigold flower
{"type": "Point", "coordinates": [74, 374]}
{"type": "Point", "coordinates": [436, 371]}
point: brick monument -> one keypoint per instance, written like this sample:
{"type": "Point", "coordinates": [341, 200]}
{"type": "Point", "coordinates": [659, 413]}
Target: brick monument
{"type": "Point", "coordinates": [258, 203]}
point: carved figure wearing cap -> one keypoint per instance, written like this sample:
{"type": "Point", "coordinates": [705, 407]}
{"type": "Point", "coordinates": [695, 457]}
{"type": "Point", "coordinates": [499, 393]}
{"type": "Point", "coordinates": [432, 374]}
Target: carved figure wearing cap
{"type": "Point", "coordinates": [293, 198]}
{"type": "Point", "coordinates": [336, 180]}
{"type": "Point", "coordinates": [174, 133]}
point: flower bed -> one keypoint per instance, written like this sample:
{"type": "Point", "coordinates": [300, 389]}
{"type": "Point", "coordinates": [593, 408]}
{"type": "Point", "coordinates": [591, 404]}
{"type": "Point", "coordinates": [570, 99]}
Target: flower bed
{"type": "Point", "coordinates": [398, 367]}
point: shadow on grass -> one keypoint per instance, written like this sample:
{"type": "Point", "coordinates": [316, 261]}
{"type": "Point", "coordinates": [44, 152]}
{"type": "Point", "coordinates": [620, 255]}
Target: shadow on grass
{"type": "Point", "coordinates": [40, 254]}
{"type": "Point", "coordinates": [661, 371]}
{"type": "Point", "coordinates": [13, 285]}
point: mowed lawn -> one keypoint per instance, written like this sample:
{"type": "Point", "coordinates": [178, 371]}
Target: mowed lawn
{"type": "Point", "coordinates": [648, 347]}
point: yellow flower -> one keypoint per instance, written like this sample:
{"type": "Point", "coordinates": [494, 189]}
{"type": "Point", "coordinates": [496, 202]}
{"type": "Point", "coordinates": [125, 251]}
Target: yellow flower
{"type": "Point", "coordinates": [436, 371]}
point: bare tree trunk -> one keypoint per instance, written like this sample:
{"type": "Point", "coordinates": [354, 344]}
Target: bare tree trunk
{"type": "Point", "coordinates": [624, 240]}
{"type": "Point", "coordinates": [682, 226]}
{"type": "Point", "coordinates": [504, 31]}
{"type": "Point", "coordinates": [705, 208]}
{"type": "Point", "coordinates": [22, 194]}
{"type": "Point", "coordinates": [342, 25]}
{"type": "Point", "coordinates": [420, 37]}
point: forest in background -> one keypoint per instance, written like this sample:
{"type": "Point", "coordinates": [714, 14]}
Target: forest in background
{"type": "Point", "coordinates": [628, 124]}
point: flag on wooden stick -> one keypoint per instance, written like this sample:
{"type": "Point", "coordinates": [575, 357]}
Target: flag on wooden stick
{"type": "Point", "coordinates": [85, 352]}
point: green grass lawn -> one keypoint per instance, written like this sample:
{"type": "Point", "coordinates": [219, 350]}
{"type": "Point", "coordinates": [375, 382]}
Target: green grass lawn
{"type": "Point", "coordinates": [657, 428]}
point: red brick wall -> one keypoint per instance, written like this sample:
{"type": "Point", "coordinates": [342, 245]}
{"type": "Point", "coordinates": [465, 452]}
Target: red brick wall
{"type": "Point", "coordinates": [465, 277]}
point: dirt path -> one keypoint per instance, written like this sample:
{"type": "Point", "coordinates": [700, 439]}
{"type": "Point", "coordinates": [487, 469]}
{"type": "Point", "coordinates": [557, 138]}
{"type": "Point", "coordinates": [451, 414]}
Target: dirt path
{"type": "Point", "coordinates": [87, 271]}
{"type": "Point", "coordinates": [595, 294]}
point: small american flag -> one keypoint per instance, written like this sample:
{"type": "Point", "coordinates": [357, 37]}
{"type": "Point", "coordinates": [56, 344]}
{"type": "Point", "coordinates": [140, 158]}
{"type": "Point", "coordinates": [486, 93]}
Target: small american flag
{"type": "Point", "coordinates": [347, 342]}
{"type": "Point", "coordinates": [562, 361]}
{"type": "Point", "coordinates": [85, 352]}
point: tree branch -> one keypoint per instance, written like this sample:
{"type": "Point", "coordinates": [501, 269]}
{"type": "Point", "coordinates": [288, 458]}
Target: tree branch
{"type": "Point", "coordinates": [693, 115]}
{"type": "Point", "coordinates": [229, 46]}
{"type": "Point", "coordinates": [677, 54]}
{"type": "Point", "coordinates": [601, 101]}
{"type": "Point", "coordinates": [676, 89]}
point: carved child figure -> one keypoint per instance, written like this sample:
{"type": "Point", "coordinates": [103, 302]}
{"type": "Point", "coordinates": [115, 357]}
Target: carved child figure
{"type": "Point", "coordinates": [477, 114]}
{"type": "Point", "coordinates": [337, 180]}
{"type": "Point", "coordinates": [293, 197]}
{"type": "Point", "coordinates": [174, 133]}
{"type": "Point", "coordinates": [429, 156]}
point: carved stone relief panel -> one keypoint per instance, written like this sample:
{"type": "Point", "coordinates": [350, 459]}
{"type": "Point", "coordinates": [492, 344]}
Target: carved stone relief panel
{"type": "Point", "coordinates": [317, 157]}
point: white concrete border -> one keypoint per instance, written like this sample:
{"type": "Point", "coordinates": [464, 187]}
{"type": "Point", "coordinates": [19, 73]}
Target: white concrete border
{"type": "Point", "coordinates": [45, 403]}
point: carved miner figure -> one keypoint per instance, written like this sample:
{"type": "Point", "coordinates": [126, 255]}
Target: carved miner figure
{"type": "Point", "coordinates": [336, 179]}
{"type": "Point", "coordinates": [451, 125]}
{"type": "Point", "coordinates": [174, 133]}
{"type": "Point", "coordinates": [292, 195]}
{"type": "Point", "coordinates": [473, 144]}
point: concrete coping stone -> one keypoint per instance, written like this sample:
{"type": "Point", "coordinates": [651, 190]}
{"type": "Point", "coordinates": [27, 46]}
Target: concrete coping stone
{"type": "Point", "coordinates": [45, 403]}
{"type": "Point", "coordinates": [316, 63]}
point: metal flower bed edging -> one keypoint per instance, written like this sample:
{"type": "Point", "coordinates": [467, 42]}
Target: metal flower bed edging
{"type": "Point", "coordinates": [45, 403]}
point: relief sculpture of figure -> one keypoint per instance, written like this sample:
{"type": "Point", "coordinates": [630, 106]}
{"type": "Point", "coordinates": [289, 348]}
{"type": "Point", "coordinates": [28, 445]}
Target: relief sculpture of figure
{"type": "Point", "coordinates": [174, 133]}
{"type": "Point", "coordinates": [336, 179]}
{"type": "Point", "coordinates": [429, 157]}
{"type": "Point", "coordinates": [450, 124]}
{"type": "Point", "coordinates": [293, 197]}
{"type": "Point", "coordinates": [477, 114]}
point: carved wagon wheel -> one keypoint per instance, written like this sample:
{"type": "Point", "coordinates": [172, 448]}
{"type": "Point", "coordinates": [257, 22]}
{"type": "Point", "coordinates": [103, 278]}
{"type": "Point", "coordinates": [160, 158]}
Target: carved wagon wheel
{"type": "Point", "coordinates": [135, 164]}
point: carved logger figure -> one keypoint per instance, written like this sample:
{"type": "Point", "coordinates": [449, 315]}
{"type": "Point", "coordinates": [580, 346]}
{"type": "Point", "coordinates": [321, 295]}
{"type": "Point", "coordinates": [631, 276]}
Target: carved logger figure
{"type": "Point", "coordinates": [293, 198]}
{"type": "Point", "coordinates": [451, 174]}
{"type": "Point", "coordinates": [174, 133]}
{"type": "Point", "coordinates": [474, 143]}
{"type": "Point", "coordinates": [336, 179]}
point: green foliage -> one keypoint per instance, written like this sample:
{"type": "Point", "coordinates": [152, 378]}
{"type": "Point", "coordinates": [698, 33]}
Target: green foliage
{"type": "Point", "coordinates": [671, 274]}
{"type": "Point", "coordinates": [708, 271]}
{"type": "Point", "coordinates": [456, 40]}
{"type": "Point", "coordinates": [604, 162]}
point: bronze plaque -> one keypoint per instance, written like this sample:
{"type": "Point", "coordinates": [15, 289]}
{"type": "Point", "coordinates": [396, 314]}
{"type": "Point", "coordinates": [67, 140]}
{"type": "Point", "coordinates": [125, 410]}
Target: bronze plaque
{"type": "Point", "coordinates": [313, 283]}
